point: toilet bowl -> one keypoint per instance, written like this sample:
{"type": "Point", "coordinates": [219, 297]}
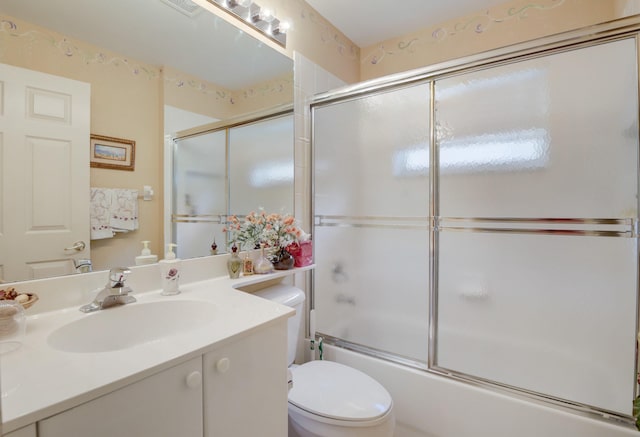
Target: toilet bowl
{"type": "Point", "coordinates": [329, 399]}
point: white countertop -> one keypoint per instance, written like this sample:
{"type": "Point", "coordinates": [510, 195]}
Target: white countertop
{"type": "Point", "coordinates": [38, 381]}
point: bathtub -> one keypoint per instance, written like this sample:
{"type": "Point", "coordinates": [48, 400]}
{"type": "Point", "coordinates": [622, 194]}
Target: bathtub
{"type": "Point", "coordinates": [429, 405]}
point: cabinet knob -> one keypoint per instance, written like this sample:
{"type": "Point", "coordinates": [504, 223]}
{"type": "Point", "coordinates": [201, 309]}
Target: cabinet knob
{"type": "Point", "coordinates": [222, 365]}
{"type": "Point", "coordinates": [194, 379]}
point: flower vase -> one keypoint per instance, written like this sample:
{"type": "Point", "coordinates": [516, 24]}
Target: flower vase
{"type": "Point", "coordinates": [262, 264]}
{"type": "Point", "coordinates": [282, 260]}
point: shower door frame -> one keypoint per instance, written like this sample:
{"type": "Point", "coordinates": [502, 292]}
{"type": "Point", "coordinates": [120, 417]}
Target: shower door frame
{"type": "Point", "coordinates": [625, 28]}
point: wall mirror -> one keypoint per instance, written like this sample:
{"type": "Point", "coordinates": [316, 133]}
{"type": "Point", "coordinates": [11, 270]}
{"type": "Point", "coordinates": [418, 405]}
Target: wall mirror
{"type": "Point", "coordinates": [175, 67]}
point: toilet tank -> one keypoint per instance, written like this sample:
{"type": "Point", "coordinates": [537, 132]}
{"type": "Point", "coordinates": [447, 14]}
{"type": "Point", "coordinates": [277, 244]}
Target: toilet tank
{"type": "Point", "coordinates": [292, 297]}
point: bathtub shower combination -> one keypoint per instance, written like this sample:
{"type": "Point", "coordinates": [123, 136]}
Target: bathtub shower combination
{"type": "Point", "coordinates": [479, 221]}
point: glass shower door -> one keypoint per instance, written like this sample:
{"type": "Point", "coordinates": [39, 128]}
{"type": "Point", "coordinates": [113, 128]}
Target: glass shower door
{"type": "Point", "coordinates": [200, 193]}
{"type": "Point", "coordinates": [371, 221]}
{"type": "Point", "coordinates": [537, 255]}
{"type": "Point", "coordinates": [261, 156]}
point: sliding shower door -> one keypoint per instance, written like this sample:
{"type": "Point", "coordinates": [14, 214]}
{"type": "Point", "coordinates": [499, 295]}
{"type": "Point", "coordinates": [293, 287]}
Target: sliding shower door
{"type": "Point", "coordinates": [520, 272]}
{"type": "Point", "coordinates": [537, 255]}
{"type": "Point", "coordinates": [371, 221]}
{"type": "Point", "coordinates": [200, 187]}
{"type": "Point", "coordinates": [261, 159]}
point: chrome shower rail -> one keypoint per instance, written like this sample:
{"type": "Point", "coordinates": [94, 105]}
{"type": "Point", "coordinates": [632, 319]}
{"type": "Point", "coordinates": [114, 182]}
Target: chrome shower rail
{"type": "Point", "coordinates": [220, 219]}
{"type": "Point", "coordinates": [592, 227]}
{"type": "Point", "coordinates": [372, 222]}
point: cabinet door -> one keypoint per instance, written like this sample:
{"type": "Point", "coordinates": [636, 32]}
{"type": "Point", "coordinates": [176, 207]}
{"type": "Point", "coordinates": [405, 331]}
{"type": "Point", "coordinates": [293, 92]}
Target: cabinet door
{"type": "Point", "coordinates": [245, 386]}
{"type": "Point", "coordinates": [27, 431]}
{"type": "Point", "coordinates": [167, 404]}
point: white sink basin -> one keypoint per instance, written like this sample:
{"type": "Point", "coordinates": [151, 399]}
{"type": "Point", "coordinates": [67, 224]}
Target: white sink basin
{"type": "Point", "coordinates": [122, 327]}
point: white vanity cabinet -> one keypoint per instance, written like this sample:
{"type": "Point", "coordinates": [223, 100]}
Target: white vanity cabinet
{"type": "Point", "coordinates": [27, 431]}
{"type": "Point", "coordinates": [245, 386]}
{"type": "Point", "coordinates": [238, 389]}
{"type": "Point", "coordinates": [167, 404]}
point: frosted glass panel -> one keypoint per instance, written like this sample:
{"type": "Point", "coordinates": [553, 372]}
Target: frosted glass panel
{"type": "Point", "coordinates": [200, 190]}
{"type": "Point", "coordinates": [261, 159]}
{"type": "Point", "coordinates": [371, 283]}
{"type": "Point", "coordinates": [195, 239]}
{"type": "Point", "coordinates": [371, 288]}
{"type": "Point", "coordinates": [551, 314]}
{"type": "Point", "coordinates": [200, 175]}
{"type": "Point", "coordinates": [555, 136]}
{"type": "Point", "coordinates": [371, 155]}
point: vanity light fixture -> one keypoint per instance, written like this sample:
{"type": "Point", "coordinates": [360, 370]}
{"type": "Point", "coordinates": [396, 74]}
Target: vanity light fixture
{"type": "Point", "coordinates": [261, 19]}
{"type": "Point", "coordinates": [266, 15]}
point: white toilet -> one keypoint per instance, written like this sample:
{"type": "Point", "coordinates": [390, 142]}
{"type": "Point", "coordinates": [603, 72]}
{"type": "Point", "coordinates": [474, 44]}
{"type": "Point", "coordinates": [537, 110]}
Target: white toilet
{"type": "Point", "coordinates": [329, 399]}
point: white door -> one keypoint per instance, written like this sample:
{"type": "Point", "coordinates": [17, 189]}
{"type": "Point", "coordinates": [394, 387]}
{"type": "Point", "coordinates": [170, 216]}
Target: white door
{"type": "Point", "coordinates": [44, 173]}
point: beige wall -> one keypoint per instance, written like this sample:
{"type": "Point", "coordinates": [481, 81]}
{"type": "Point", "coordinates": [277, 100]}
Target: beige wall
{"type": "Point", "coordinates": [196, 95]}
{"type": "Point", "coordinates": [511, 23]}
{"type": "Point", "coordinates": [310, 34]}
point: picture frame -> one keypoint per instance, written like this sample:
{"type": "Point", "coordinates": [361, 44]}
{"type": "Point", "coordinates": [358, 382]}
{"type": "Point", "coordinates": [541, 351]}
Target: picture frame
{"type": "Point", "coordinates": [112, 153]}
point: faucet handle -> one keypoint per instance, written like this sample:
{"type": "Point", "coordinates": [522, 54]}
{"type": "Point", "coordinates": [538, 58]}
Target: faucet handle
{"type": "Point", "coordinates": [117, 276]}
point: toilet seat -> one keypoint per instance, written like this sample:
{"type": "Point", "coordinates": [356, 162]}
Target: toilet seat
{"type": "Point", "coordinates": [337, 392]}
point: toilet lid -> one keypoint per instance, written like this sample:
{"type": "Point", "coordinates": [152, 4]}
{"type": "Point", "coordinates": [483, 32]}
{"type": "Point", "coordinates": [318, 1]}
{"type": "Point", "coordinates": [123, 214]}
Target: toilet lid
{"type": "Point", "coordinates": [332, 390]}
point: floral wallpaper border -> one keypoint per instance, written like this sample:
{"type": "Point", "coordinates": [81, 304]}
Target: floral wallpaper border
{"type": "Point", "coordinates": [328, 34]}
{"type": "Point", "coordinates": [69, 49]}
{"type": "Point", "coordinates": [277, 86]}
{"type": "Point", "coordinates": [476, 24]}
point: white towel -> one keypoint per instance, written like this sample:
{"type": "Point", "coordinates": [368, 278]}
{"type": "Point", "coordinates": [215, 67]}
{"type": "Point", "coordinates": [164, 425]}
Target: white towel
{"type": "Point", "coordinates": [100, 213]}
{"type": "Point", "coordinates": [113, 210]}
{"type": "Point", "coordinates": [124, 209]}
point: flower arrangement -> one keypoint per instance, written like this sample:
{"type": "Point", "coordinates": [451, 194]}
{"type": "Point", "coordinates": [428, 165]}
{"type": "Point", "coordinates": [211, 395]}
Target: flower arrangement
{"type": "Point", "coordinates": [271, 230]}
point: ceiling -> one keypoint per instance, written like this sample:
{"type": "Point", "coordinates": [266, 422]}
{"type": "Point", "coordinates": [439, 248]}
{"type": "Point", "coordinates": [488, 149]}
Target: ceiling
{"type": "Point", "coordinates": [367, 22]}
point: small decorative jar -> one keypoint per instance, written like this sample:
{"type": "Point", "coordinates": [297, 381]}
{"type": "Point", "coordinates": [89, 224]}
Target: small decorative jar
{"type": "Point", "coordinates": [247, 265]}
{"type": "Point", "coordinates": [262, 264]}
{"type": "Point", "coordinates": [283, 260]}
{"type": "Point", "coordinates": [234, 264]}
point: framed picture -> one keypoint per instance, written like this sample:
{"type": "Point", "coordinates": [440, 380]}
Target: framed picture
{"type": "Point", "coordinates": [113, 153]}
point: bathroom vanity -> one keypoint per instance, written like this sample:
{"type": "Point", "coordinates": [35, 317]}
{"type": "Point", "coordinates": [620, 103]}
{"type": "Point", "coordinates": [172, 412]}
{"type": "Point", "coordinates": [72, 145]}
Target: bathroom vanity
{"type": "Point", "coordinates": [196, 364]}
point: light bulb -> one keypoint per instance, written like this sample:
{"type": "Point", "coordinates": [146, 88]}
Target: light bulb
{"type": "Point", "coordinates": [266, 15]}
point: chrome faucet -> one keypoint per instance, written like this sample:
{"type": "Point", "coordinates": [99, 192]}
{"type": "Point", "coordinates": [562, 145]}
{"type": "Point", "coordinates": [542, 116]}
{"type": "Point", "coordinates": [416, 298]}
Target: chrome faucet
{"type": "Point", "coordinates": [114, 293]}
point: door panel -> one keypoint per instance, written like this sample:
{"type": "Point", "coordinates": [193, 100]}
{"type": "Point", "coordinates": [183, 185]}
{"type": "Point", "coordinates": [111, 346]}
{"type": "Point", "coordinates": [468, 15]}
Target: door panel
{"type": "Point", "coordinates": [44, 183]}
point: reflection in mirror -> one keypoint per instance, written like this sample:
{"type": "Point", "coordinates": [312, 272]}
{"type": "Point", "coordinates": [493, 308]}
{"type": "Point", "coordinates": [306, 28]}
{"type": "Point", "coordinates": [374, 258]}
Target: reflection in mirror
{"type": "Point", "coordinates": [176, 67]}
{"type": "Point", "coordinates": [227, 170]}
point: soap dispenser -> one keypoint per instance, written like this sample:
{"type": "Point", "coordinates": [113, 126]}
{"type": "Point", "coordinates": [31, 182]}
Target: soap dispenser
{"type": "Point", "coordinates": [145, 256]}
{"type": "Point", "coordinates": [170, 271]}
